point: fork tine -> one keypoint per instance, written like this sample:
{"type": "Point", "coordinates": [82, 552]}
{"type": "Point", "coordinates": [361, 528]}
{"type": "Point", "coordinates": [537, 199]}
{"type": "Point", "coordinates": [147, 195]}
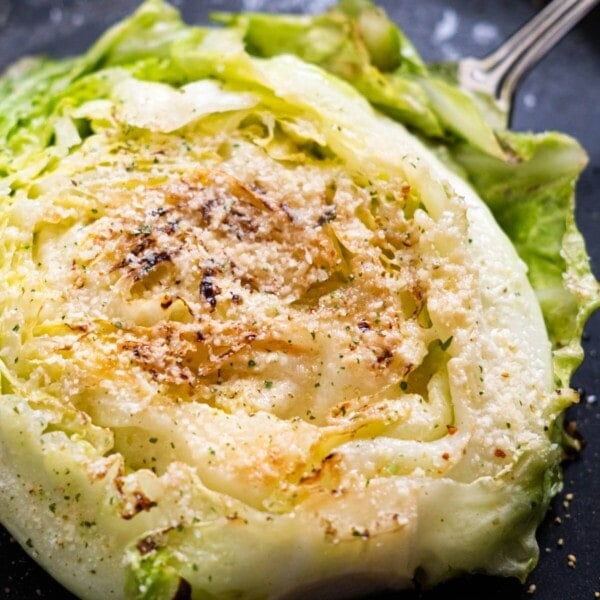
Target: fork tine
{"type": "Point", "coordinates": [537, 26]}
{"type": "Point", "coordinates": [499, 73]}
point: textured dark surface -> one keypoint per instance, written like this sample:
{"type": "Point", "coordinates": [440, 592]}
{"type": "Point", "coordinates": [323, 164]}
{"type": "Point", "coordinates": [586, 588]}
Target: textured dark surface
{"type": "Point", "coordinates": [561, 93]}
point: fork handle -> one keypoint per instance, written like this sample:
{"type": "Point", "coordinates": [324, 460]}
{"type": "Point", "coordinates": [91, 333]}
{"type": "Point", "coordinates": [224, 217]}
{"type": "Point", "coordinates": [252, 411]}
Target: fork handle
{"type": "Point", "coordinates": [499, 73]}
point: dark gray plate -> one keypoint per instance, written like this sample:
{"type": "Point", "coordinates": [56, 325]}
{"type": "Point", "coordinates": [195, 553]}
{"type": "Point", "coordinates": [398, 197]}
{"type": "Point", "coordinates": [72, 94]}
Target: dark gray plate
{"type": "Point", "coordinates": [562, 93]}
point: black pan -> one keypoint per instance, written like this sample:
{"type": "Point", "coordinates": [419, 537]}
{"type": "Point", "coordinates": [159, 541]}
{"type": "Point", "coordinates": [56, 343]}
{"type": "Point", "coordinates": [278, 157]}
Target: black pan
{"type": "Point", "coordinates": [562, 92]}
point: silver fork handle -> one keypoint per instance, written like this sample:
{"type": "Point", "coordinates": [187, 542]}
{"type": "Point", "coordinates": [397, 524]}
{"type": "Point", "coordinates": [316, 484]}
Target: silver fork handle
{"type": "Point", "coordinates": [499, 73]}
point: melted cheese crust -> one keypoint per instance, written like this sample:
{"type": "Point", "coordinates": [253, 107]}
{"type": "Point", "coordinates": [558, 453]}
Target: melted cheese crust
{"type": "Point", "coordinates": [294, 299]}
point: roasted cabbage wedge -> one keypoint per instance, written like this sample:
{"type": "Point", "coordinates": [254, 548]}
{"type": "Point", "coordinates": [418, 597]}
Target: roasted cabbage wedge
{"type": "Point", "coordinates": [281, 312]}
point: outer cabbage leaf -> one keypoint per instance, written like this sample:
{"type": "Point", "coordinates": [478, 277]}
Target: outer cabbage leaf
{"type": "Point", "coordinates": [533, 199]}
{"type": "Point", "coordinates": [358, 43]}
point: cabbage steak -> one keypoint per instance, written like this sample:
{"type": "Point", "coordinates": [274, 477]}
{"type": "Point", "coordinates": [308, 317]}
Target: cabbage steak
{"type": "Point", "coordinates": [274, 323]}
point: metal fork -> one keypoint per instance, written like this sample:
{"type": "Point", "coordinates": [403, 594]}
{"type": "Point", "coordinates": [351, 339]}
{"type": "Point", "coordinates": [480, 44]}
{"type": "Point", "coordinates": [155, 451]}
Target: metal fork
{"type": "Point", "coordinates": [499, 73]}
